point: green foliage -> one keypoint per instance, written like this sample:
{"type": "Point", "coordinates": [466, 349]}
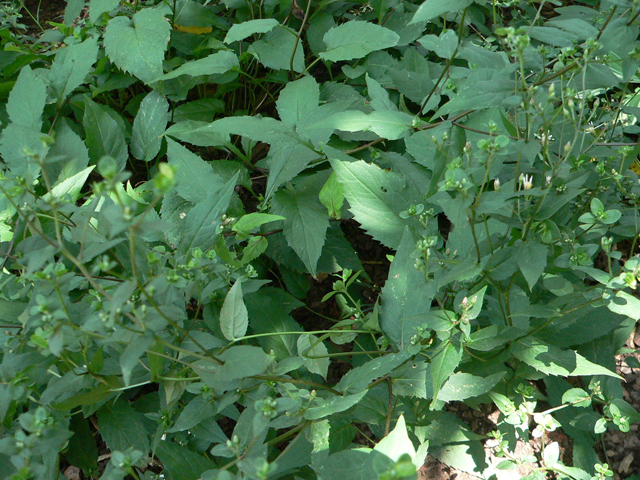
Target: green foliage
{"type": "Point", "coordinates": [175, 176]}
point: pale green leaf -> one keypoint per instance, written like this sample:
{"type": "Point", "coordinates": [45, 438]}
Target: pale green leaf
{"type": "Point", "coordinates": [70, 186]}
{"type": "Point", "coordinates": [27, 99]}
{"type": "Point", "coordinates": [71, 65]}
{"type": "Point", "coordinates": [72, 11]}
{"type": "Point", "coordinates": [532, 260]}
{"type": "Point", "coordinates": [397, 443]}
{"type": "Point", "coordinates": [359, 378]}
{"type": "Point", "coordinates": [195, 179]}
{"type": "Point", "coordinates": [148, 126]}
{"type": "Point", "coordinates": [298, 100]}
{"type": "Point", "coordinates": [332, 197]}
{"type": "Point", "coordinates": [379, 96]}
{"type": "Point", "coordinates": [240, 31]}
{"type": "Point", "coordinates": [461, 386]}
{"type": "Point", "coordinates": [622, 303]}
{"type": "Point", "coordinates": [391, 125]}
{"type": "Point", "coordinates": [314, 353]}
{"type": "Point", "coordinates": [321, 407]}
{"type": "Point", "coordinates": [267, 130]}
{"type": "Point", "coordinates": [197, 133]}
{"type": "Point", "coordinates": [555, 361]}
{"type": "Point", "coordinates": [132, 353]}
{"type": "Point", "coordinates": [215, 64]}
{"type": "Point", "coordinates": [434, 8]}
{"type": "Point", "coordinates": [196, 411]}
{"type": "Point", "coordinates": [137, 45]}
{"type": "Point", "coordinates": [253, 220]}
{"type": "Point", "coordinates": [356, 39]}
{"type": "Point", "coordinates": [98, 7]}
{"type": "Point", "coordinates": [444, 361]}
{"type": "Point", "coordinates": [234, 318]}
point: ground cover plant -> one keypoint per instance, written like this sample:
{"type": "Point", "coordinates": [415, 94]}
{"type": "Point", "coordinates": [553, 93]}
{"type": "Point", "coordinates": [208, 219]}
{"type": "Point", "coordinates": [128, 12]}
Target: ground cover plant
{"type": "Point", "coordinates": [177, 175]}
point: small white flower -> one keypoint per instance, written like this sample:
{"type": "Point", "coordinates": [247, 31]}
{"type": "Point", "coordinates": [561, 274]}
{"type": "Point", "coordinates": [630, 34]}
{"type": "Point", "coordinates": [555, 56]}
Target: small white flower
{"type": "Point", "coordinates": [547, 180]}
{"type": "Point", "coordinates": [182, 215]}
{"type": "Point", "coordinates": [526, 181]}
{"type": "Point", "coordinates": [496, 184]}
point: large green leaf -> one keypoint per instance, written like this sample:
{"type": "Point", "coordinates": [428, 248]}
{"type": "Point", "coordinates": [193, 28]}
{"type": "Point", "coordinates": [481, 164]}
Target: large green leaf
{"type": "Point", "coordinates": [195, 179]}
{"type": "Point", "coordinates": [306, 223]}
{"type": "Point", "coordinates": [397, 443]}
{"type": "Point", "coordinates": [180, 463]}
{"type": "Point", "coordinates": [461, 386]}
{"type": "Point", "coordinates": [27, 100]}
{"type": "Point", "coordinates": [98, 7]}
{"type": "Point", "coordinates": [215, 64]}
{"type": "Point", "coordinates": [286, 160]}
{"type": "Point", "coordinates": [391, 125]}
{"type": "Point", "coordinates": [121, 427]}
{"type": "Point", "coordinates": [359, 378]}
{"type": "Point", "coordinates": [240, 31]}
{"type": "Point", "coordinates": [137, 45]}
{"type": "Point", "coordinates": [443, 363]}
{"type": "Point", "coordinates": [275, 49]}
{"type": "Point", "coordinates": [314, 353]}
{"type": "Point", "coordinates": [356, 39]}
{"type": "Point", "coordinates": [234, 318]}
{"type": "Point", "coordinates": [406, 296]}
{"type": "Point", "coordinates": [148, 126]}
{"type": "Point", "coordinates": [298, 100]}
{"type": "Point", "coordinates": [376, 198]}
{"type": "Point", "coordinates": [104, 135]}
{"type": "Point", "coordinates": [196, 411]}
{"type": "Point", "coordinates": [71, 66]}
{"type": "Point", "coordinates": [197, 133]}
{"type": "Point", "coordinates": [554, 361]}
{"type": "Point", "coordinates": [434, 8]}
{"type": "Point", "coordinates": [202, 222]}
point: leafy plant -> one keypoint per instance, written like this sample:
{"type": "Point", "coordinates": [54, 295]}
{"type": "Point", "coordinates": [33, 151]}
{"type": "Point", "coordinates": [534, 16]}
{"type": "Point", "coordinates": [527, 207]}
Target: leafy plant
{"type": "Point", "coordinates": [174, 174]}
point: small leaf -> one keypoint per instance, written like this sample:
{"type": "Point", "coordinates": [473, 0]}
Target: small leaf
{"type": "Point", "coordinates": [234, 318]}
{"type": "Point", "coordinates": [311, 346]}
{"type": "Point", "coordinates": [137, 45]}
{"type": "Point", "coordinates": [71, 186]}
{"type": "Point", "coordinates": [356, 39]}
{"type": "Point", "coordinates": [331, 196]}
{"type": "Point", "coordinates": [182, 463]}
{"type": "Point", "coordinates": [532, 260]}
{"type": "Point", "coordinates": [577, 397]}
{"type": "Point", "coordinates": [71, 65]}
{"type": "Point", "coordinates": [129, 358]}
{"type": "Point", "coordinates": [148, 126]}
{"type": "Point", "coordinates": [195, 179]}
{"type": "Point", "coordinates": [121, 427]}
{"type": "Point", "coordinates": [391, 125]}
{"type": "Point", "coordinates": [98, 7]}
{"type": "Point", "coordinates": [240, 31]}
{"type": "Point", "coordinates": [434, 8]}
{"type": "Point", "coordinates": [27, 99]}
{"type": "Point", "coordinates": [275, 49]}
{"type": "Point", "coordinates": [104, 135]}
{"type": "Point", "coordinates": [397, 443]}
{"type": "Point", "coordinates": [461, 386]}
{"type": "Point", "coordinates": [298, 100]}
{"type": "Point", "coordinates": [215, 64]}
{"type": "Point", "coordinates": [253, 220]}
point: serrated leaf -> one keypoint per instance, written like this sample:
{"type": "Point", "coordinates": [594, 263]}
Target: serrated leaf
{"type": "Point", "coordinates": [253, 220]}
{"type": "Point", "coordinates": [197, 133]}
{"type": "Point", "coordinates": [275, 49]}
{"type": "Point", "coordinates": [391, 125]}
{"type": "Point", "coordinates": [19, 146]}
{"type": "Point", "coordinates": [311, 346]}
{"type": "Point", "coordinates": [71, 65]}
{"type": "Point", "coordinates": [356, 39]}
{"type": "Point", "coordinates": [397, 443]}
{"type": "Point", "coordinates": [306, 222]}
{"type": "Point", "coordinates": [196, 411]}
{"type": "Point", "coordinates": [406, 297]}
{"type": "Point", "coordinates": [104, 135]}
{"type": "Point", "coordinates": [376, 197]}
{"type": "Point", "coordinates": [434, 8]}
{"type": "Point", "coordinates": [444, 361]}
{"type": "Point", "coordinates": [267, 130]}
{"type": "Point", "coordinates": [359, 378]}
{"type": "Point", "coordinates": [332, 197]}
{"type": "Point", "coordinates": [98, 7]}
{"type": "Point", "coordinates": [240, 31]}
{"type": "Point", "coordinates": [195, 179]}
{"type": "Point", "coordinates": [554, 361]}
{"type": "Point", "coordinates": [180, 463]}
{"type": "Point", "coordinates": [203, 220]}
{"type": "Point", "coordinates": [298, 100]}
{"type": "Point", "coordinates": [325, 407]}
{"type": "Point", "coordinates": [461, 386]}
{"type": "Point", "coordinates": [137, 45]}
{"type": "Point", "coordinates": [72, 11]}
{"type": "Point", "coordinates": [379, 96]}
{"type": "Point", "coordinates": [286, 160]}
{"type": "Point", "coordinates": [27, 99]}
{"type": "Point", "coordinates": [132, 353]}
{"type": "Point", "coordinates": [148, 126]}
{"type": "Point", "coordinates": [214, 64]}
{"type": "Point", "coordinates": [71, 186]}
{"type": "Point", "coordinates": [234, 318]}
{"type": "Point", "coordinates": [121, 427]}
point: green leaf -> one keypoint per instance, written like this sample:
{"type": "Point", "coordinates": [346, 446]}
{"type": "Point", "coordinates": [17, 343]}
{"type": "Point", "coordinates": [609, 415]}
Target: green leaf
{"type": "Point", "coordinates": [359, 378]}
{"type": "Point", "coordinates": [234, 318]}
{"type": "Point", "coordinates": [82, 450]}
{"type": "Point", "coordinates": [27, 100]}
{"type": "Point", "coordinates": [196, 411]}
{"type": "Point", "coordinates": [286, 160]}
{"type": "Point", "coordinates": [215, 64]}
{"type": "Point", "coordinates": [434, 8]}
{"type": "Point", "coordinates": [240, 31]}
{"type": "Point", "coordinates": [137, 45]}
{"type": "Point", "coordinates": [121, 427]}
{"type": "Point", "coordinates": [71, 186]}
{"type": "Point", "coordinates": [298, 100]}
{"type": "Point", "coordinates": [406, 296]}
{"type": "Point", "coordinates": [275, 49]}
{"type": "Point", "coordinates": [397, 443]}
{"type": "Point", "coordinates": [267, 130]}
{"type": "Point", "coordinates": [532, 260]}
{"type": "Point", "coordinates": [311, 346]}
{"type": "Point", "coordinates": [71, 65]}
{"type": "Point", "coordinates": [241, 362]}
{"type": "Point", "coordinates": [148, 126]}
{"type": "Point", "coordinates": [321, 407]}
{"type": "Point", "coordinates": [195, 179]}
{"type": "Point", "coordinates": [306, 222]}
{"type": "Point", "coordinates": [443, 363]}
{"type": "Point", "coordinates": [98, 7]}
{"type": "Point", "coordinates": [197, 133]}
{"type": "Point", "coordinates": [180, 463]}
{"type": "Point", "coordinates": [356, 39]}
{"type": "Point", "coordinates": [202, 222]}
{"type": "Point", "coordinates": [376, 198]}
{"type": "Point", "coordinates": [379, 96]}
{"type": "Point", "coordinates": [554, 361]}
{"type": "Point", "coordinates": [461, 386]}
{"type": "Point", "coordinates": [622, 303]}
{"type": "Point", "coordinates": [391, 125]}
{"type": "Point", "coordinates": [577, 396]}
{"type": "Point", "coordinates": [104, 135]}
{"type": "Point", "coordinates": [10, 310]}
{"type": "Point", "coordinates": [72, 11]}
{"type": "Point", "coordinates": [132, 353]}
{"type": "Point", "coordinates": [332, 197]}
{"type": "Point", "coordinates": [253, 220]}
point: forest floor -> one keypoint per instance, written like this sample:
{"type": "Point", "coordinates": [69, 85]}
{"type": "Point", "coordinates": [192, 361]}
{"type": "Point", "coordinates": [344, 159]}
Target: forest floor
{"type": "Point", "coordinates": [620, 450]}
